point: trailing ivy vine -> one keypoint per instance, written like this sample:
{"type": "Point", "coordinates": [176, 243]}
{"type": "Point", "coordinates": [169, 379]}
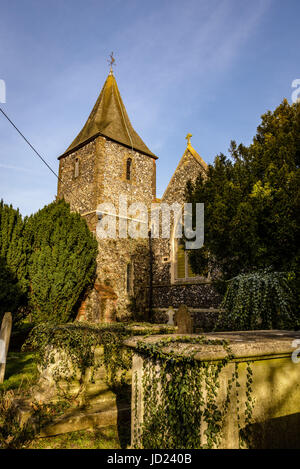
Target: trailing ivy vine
{"type": "Point", "coordinates": [77, 350]}
{"type": "Point", "coordinates": [183, 406]}
{"type": "Point", "coordinates": [17, 430]}
{"type": "Point", "coordinates": [260, 300]}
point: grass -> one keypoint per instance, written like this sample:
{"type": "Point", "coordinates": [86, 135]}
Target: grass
{"type": "Point", "coordinates": [20, 370]}
{"type": "Point", "coordinates": [101, 438]}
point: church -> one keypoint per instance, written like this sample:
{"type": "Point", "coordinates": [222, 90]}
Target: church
{"type": "Point", "coordinates": [136, 278]}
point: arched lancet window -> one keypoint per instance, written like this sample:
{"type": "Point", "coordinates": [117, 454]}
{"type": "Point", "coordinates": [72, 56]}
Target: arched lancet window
{"type": "Point", "coordinates": [181, 268]}
{"type": "Point", "coordinates": [182, 265]}
{"type": "Point", "coordinates": [128, 168]}
{"type": "Point", "coordinates": [76, 168]}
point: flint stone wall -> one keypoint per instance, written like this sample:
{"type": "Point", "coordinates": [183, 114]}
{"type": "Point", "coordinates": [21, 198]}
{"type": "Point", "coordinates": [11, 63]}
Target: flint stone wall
{"type": "Point", "coordinates": [102, 178]}
{"type": "Point", "coordinates": [197, 293]}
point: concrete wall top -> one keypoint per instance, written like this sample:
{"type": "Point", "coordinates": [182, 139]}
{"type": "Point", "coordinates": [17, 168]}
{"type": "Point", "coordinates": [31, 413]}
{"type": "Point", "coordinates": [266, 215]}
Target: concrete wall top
{"type": "Point", "coordinates": [243, 344]}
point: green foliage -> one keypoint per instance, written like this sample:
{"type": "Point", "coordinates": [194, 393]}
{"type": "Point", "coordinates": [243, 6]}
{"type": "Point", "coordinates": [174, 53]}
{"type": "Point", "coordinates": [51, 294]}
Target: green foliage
{"type": "Point", "coordinates": [47, 261]}
{"type": "Point", "coordinates": [262, 300]}
{"type": "Point", "coordinates": [98, 438]}
{"type": "Point", "coordinates": [77, 345]}
{"type": "Point", "coordinates": [11, 241]}
{"type": "Point", "coordinates": [10, 292]}
{"type": "Point", "coordinates": [19, 334]}
{"type": "Point", "coordinates": [252, 201]}
{"type": "Point", "coordinates": [181, 395]}
{"type": "Point", "coordinates": [62, 261]}
{"type": "Point", "coordinates": [12, 435]}
{"type": "Point", "coordinates": [13, 283]}
{"type": "Point", "coordinates": [17, 433]}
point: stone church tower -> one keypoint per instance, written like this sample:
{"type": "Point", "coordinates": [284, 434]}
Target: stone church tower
{"type": "Point", "coordinates": [107, 159]}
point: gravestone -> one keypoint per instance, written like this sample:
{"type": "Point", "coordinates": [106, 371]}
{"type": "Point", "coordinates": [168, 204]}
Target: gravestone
{"type": "Point", "coordinates": [170, 314]}
{"type": "Point", "coordinates": [4, 342]}
{"type": "Point", "coordinates": [183, 320]}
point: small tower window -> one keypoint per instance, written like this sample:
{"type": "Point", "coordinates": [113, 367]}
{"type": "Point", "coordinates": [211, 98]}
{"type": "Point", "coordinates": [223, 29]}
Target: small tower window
{"type": "Point", "coordinates": [76, 168]}
{"type": "Point", "coordinates": [129, 279]}
{"type": "Point", "coordinates": [128, 169]}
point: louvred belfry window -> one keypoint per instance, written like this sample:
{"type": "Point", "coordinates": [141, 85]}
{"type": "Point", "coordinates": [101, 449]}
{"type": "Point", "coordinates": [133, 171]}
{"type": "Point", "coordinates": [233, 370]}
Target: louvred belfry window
{"type": "Point", "coordinates": [129, 278]}
{"type": "Point", "coordinates": [183, 268]}
{"type": "Point", "coordinates": [180, 261]}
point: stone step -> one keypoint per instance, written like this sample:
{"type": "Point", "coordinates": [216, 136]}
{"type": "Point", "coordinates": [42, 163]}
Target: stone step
{"type": "Point", "coordinates": [103, 415]}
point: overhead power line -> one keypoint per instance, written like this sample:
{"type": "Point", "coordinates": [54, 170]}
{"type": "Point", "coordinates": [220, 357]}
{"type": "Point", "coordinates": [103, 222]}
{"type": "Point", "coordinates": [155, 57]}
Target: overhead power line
{"type": "Point", "coordinates": [36, 152]}
{"type": "Point", "coordinates": [31, 146]}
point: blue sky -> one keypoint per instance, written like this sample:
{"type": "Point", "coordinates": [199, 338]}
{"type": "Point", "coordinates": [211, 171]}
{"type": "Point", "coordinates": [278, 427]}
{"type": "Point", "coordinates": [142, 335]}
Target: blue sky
{"type": "Point", "coordinates": [209, 67]}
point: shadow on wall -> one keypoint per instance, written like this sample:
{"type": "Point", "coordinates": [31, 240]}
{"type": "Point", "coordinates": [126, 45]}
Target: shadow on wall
{"type": "Point", "coordinates": [282, 429]}
{"type": "Point", "coordinates": [123, 400]}
{"type": "Point", "coordinates": [277, 433]}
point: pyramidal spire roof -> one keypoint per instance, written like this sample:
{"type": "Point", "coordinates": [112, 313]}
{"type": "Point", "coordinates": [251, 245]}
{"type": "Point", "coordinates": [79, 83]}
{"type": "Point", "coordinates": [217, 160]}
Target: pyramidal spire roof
{"type": "Point", "coordinates": [109, 118]}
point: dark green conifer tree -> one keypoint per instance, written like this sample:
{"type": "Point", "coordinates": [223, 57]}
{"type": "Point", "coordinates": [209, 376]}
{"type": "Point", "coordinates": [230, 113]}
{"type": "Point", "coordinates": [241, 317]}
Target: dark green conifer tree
{"type": "Point", "coordinates": [13, 283]}
{"type": "Point", "coordinates": [62, 263]}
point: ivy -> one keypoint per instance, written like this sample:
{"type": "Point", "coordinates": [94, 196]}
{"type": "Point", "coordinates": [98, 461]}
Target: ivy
{"type": "Point", "coordinates": [245, 433]}
{"type": "Point", "coordinates": [260, 300]}
{"type": "Point", "coordinates": [75, 348]}
{"type": "Point", "coordinates": [17, 431]}
{"type": "Point", "coordinates": [181, 395]}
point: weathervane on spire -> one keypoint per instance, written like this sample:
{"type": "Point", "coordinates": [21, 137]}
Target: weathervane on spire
{"type": "Point", "coordinates": [188, 138]}
{"type": "Point", "coordinates": [111, 62]}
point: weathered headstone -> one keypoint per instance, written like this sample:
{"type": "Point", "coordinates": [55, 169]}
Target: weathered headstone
{"type": "Point", "coordinates": [4, 342]}
{"type": "Point", "coordinates": [170, 314]}
{"type": "Point", "coordinates": [183, 320]}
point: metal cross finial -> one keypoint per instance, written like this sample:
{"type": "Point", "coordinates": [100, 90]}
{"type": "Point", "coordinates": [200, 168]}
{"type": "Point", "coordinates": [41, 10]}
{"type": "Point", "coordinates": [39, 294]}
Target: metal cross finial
{"type": "Point", "coordinates": [111, 62]}
{"type": "Point", "coordinates": [188, 138]}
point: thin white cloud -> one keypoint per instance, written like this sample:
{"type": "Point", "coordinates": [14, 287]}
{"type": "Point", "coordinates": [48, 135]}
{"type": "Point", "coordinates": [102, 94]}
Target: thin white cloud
{"type": "Point", "coordinates": [15, 168]}
{"type": "Point", "coordinates": [176, 49]}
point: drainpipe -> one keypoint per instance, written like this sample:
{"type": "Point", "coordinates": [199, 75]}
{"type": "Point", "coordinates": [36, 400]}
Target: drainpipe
{"type": "Point", "coordinates": [150, 304]}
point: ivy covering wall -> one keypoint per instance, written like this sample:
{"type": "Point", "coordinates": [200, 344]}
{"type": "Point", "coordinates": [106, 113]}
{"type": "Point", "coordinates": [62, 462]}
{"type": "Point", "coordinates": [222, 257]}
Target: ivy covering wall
{"type": "Point", "coordinates": [73, 348]}
{"type": "Point", "coordinates": [182, 408]}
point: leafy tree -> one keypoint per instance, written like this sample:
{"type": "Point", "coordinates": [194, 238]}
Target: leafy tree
{"type": "Point", "coordinates": [62, 262]}
{"type": "Point", "coordinates": [252, 201]}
